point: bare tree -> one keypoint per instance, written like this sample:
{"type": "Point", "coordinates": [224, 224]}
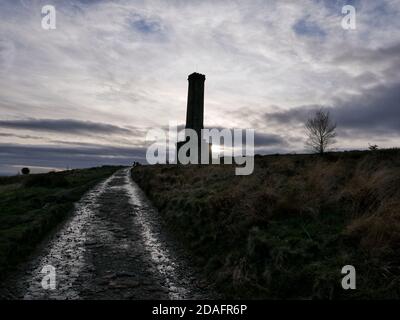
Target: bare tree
{"type": "Point", "coordinates": [372, 147]}
{"type": "Point", "coordinates": [321, 131]}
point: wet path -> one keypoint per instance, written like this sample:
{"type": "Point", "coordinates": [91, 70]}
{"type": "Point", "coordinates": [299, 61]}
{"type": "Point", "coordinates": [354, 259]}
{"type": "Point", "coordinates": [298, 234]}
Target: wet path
{"type": "Point", "coordinates": [113, 247]}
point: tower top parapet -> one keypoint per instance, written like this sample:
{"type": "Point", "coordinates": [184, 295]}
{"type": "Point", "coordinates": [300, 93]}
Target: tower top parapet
{"type": "Point", "coordinates": [196, 76]}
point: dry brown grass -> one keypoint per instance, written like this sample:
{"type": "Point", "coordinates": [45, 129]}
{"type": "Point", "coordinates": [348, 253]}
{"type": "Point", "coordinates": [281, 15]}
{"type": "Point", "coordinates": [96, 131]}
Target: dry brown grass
{"type": "Point", "coordinates": [287, 229]}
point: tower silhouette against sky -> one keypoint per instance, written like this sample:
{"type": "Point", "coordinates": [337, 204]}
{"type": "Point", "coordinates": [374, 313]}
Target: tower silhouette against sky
{"type": "Point", "coordinates": [195, 103]}
{"type": "Point", "coordinates": [195, 110]}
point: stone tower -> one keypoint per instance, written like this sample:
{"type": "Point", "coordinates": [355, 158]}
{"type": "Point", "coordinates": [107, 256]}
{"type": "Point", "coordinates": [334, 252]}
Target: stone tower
{"type": "Point", "coordinates": [195, 102]}
{"type": "Point", "coordinates": [195, 110]}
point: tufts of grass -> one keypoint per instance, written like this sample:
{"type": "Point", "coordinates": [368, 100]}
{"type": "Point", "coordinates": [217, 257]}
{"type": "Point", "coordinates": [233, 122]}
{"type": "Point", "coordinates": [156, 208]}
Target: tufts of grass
{"type": "Point", "coordinates": [287, 230]}
{"type": "Point", "coordinates": [31, 206]}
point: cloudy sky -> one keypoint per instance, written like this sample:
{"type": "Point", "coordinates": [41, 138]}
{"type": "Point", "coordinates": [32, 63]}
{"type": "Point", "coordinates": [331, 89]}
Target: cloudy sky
{"type": "Point", "coordinates": [86, 93]}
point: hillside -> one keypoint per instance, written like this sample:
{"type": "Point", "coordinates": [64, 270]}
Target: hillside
{"type": "Point", "coordinates": [287, 230]}
{"type": "Point", "coordinates": [31, 206]}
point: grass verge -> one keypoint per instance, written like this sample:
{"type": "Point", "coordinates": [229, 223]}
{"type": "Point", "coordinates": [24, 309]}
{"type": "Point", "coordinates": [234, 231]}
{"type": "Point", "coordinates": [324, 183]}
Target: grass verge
{"type": "Point", "coordinates": [286, 231]}
{"type": "Point", "coordinates": [31, 206]}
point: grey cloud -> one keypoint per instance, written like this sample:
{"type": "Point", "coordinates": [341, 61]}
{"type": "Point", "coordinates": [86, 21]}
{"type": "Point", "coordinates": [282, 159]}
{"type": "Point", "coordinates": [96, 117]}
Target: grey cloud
{"type": "Point", "coordinates": [306, 27]}
{"type": "Point", "coordinates": [20, 136]}
{"type": "Point", "coordinates": [368, 56]}
{"type": "Point", "coordinates": [126, 62]}
{"type": "Point", "coordinates": [261, 139]}
{"type": "Point", "coordinates": [273, 150]}
{"type": "Point", "coordinates": [144, 25]}
{"type": "Point", "coordinates": [292, 116]}
{"type": "Point", "coordinates": [375, 110]}
{"type": "Point", "coordinates": [62, 157]}
{"type": "Point", "coordinates": [81, 151]}
{"type": "Point", "coordinates": [63, 126]}
{"type": "Point", "coordinates": [264, 139]}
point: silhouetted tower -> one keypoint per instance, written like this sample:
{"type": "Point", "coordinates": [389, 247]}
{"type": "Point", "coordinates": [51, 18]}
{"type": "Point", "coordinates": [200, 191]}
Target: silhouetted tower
{"type": "Point", "coordinates": [195, 102]}
{"type": "Point", "coordinates": [195, 112]}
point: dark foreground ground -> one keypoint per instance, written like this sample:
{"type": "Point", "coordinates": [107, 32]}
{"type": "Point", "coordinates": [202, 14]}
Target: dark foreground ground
{"type": "Point", "coordinates": [284, 232]}
{"type": "Point", "coordinates": [287, 230]}
{"type": "Point", "coordinates": [31, 206]}
{"type": "Point", "coordinates": [112, 246]}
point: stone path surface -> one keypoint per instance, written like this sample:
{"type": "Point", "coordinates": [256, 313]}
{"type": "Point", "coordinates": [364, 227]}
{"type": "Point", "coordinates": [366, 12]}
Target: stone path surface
{"type": "Point", "coordinates": [113, 247]}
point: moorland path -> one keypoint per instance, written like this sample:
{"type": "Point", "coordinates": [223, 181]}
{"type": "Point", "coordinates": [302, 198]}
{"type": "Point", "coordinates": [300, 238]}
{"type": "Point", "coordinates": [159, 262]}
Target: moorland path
{"type": "Point", "coordinates": [112, 247]}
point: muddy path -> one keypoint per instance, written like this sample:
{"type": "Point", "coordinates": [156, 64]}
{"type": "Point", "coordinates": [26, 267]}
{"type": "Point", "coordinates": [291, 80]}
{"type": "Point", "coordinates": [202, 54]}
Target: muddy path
{"type": "Point", "coordinates": [112, 247]}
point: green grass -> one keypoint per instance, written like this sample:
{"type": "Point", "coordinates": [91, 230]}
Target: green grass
{"type": "Point", "coordinates": [286, 231]}
{"type": "Point", "coordinates": [31, 206]}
